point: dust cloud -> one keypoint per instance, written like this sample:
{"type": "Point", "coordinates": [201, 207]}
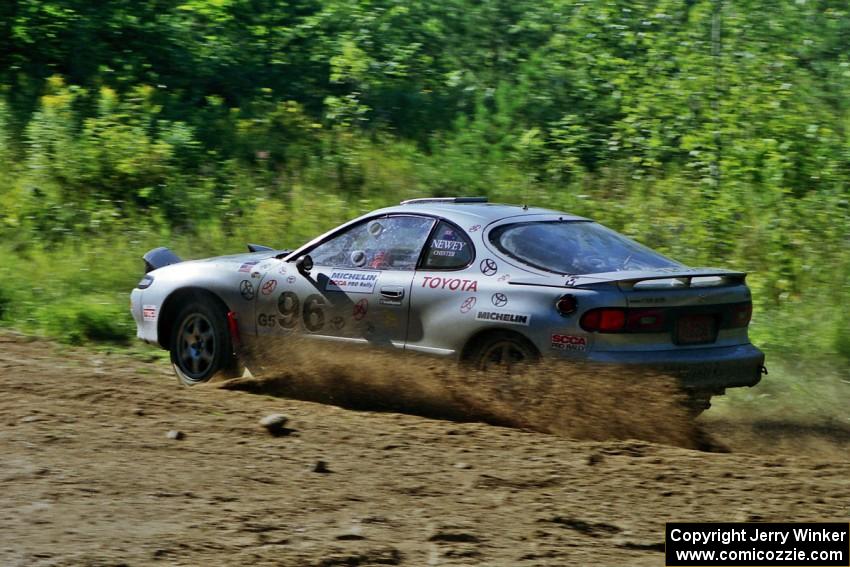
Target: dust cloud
{"type": "Point", "coordinates": [568, 400]}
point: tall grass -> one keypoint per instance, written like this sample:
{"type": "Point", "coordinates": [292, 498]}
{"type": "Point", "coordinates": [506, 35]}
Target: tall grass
{"type": "Point", "coordinates": [77, 288]}
{"type": "Point", "coordinates": [81, 201]}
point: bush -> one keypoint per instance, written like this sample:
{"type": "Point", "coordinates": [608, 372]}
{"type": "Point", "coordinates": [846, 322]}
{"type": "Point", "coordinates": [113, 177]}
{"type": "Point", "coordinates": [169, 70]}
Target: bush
{"type": "Point", "coordinates": [90, 319]}
{"type": "Point", "coordinates": [5, 303]}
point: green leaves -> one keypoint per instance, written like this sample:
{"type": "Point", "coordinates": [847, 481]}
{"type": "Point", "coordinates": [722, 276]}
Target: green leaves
{"type": "Point", "coordinates": [716, 130]}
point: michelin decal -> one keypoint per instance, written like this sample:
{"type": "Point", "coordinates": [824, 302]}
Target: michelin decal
{"type": "Point", "coordinates": [504, 317]}
{"type": "Point", "coordinates": [352, 281]}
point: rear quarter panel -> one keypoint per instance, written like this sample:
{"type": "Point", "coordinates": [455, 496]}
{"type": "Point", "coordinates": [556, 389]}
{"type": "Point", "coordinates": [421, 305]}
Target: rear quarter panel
{"type": "Point", "coordinates": [450, 308]}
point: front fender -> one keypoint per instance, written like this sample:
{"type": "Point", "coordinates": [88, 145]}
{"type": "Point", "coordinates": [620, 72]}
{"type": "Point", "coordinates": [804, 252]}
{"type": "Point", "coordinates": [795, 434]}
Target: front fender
{"type": "Point", "coordinates": [220, 277]}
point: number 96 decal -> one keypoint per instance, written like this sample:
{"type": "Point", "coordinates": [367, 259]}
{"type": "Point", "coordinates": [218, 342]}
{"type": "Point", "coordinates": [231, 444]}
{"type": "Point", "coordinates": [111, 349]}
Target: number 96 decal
{"type": "Point", "coordinates": [289, 307]}
{"type": "Point", "coordinates": [314, 313]}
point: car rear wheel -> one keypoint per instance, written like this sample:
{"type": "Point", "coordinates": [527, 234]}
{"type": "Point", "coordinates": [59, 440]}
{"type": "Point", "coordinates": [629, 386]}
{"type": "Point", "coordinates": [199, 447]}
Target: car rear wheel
{"type": "Point", "coordinates": [505, 351]}
{"type": "Point", "coordinates": [200, 343]}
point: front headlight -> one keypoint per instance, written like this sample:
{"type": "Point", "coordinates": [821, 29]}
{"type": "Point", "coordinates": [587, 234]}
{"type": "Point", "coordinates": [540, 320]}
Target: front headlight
{"type": "Point", "coordinates": [146, 282]}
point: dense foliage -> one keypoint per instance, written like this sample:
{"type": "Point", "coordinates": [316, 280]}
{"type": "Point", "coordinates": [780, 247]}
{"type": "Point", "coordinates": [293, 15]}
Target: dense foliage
{"type": "Point", "coordinates": [716, 131]}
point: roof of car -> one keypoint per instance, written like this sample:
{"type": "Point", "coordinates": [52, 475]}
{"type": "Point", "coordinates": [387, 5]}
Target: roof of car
{"type": "Point", "coordinates": [475, 213]}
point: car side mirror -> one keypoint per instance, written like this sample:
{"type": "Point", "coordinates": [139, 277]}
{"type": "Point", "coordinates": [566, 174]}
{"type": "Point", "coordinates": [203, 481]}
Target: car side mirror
{"type": "Point", "coordinates": [304, 264]}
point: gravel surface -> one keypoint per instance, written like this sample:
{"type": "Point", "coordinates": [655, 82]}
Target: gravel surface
{"type": "Point", "coordinates": [93, 474]}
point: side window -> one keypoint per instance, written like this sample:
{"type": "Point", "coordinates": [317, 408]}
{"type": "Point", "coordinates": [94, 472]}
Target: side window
{"type": "Point", "coordinates": [449, 248]}
{"type": "Point", "coordinates": [387, 243]}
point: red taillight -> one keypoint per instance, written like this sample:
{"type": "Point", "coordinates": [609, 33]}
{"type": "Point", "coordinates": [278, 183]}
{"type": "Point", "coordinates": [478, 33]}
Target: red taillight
{"type": "Point", "coordinates": [615, 320]}
{"type": "Point", "coordinates": [605, 320]}
{"type": "Point", "coordinates": [645, 320]}
{"type": "Point", "coordinates": [566, 305]}
{"type": "Point", "coordinates": [741, 315]}
{"type": "Point", "coordinates": [660, 320]}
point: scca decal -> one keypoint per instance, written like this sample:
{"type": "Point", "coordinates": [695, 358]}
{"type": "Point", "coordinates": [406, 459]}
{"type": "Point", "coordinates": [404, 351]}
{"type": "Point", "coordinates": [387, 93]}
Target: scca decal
{"type": "Point", "coordinates": [502, 317]}
{"type": "Point", "coordinates": [569, 342]}
{"type": "Point", "coordinates": [451, 284]}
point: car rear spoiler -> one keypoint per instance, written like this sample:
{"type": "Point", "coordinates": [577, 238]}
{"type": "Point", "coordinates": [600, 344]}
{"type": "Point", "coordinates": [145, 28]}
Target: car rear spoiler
{"type": "Point", "coordinates": [685, 278]}
{"type": "Point", "coordinates": [160, 257]}
{"type": "Point", "coordinates": [627, 280]}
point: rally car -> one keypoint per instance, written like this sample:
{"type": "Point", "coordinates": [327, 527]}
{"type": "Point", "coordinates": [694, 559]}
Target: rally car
{"type": "Point", "coordinates": [488, 284]}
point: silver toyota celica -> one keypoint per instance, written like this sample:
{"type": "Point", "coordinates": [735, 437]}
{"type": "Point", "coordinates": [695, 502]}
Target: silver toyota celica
{"type": "Point", "coordinates": [489, 284]}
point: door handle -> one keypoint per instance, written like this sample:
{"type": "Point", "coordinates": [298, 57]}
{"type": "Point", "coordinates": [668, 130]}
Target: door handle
{"type": "Point", "coordinates": [392, 292]}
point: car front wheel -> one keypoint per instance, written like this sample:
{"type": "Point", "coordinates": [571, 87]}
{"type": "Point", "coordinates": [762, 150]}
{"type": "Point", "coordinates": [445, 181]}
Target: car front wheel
{"type": "Point", "coordinates": [200, 344]}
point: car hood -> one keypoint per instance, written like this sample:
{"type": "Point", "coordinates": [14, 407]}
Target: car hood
{"type": "Point", "coordinates": [233, 262]}
{"type": "Point", "coordinates": [243, 258]}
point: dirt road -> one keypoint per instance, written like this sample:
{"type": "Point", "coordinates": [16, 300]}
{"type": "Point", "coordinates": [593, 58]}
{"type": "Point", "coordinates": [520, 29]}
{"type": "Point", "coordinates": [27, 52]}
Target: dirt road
{"type": "Point", "coordinates": [89, 477]}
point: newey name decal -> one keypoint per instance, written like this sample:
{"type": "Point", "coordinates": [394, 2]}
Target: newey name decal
{"type": "Point", "coordinates": [503, 317]}
{"type": "Point", "coordinates": [446, 247]}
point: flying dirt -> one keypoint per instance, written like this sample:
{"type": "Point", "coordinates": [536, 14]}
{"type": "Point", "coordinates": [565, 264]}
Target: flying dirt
{"type": "Point", "coordinates": [581, 402]}
{"type": "Point", "coordinates": [95, 473]}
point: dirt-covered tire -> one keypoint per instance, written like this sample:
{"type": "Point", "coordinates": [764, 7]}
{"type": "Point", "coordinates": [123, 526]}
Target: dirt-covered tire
{"type": "Point", "coordinates": [502, 350]}
{"type": "Point", "coordinates": [201, 346]}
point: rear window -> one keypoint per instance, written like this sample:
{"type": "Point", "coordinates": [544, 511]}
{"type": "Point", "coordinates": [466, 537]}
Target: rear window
{"type": "Point", "coordinates": [575, 247]}
{"type": "Point", "coordinates": [448, 248]}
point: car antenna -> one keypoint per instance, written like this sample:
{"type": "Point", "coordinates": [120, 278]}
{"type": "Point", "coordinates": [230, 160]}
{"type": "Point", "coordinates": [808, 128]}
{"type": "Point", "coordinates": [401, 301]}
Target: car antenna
{"type": "Point", "coordinates": [524, 207]}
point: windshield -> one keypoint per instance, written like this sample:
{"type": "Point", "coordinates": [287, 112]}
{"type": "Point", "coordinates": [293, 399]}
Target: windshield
{"type": "Point", "coordinates": [575, 247]}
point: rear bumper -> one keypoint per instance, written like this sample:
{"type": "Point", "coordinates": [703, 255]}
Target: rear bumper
{"type": "Point", "coordinates": [698, 369]}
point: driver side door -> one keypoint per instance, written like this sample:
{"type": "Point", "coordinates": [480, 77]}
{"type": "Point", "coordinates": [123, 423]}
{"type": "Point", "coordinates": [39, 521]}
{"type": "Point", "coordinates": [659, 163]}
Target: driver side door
{"type": "Point", "coordinates": [359, 287]}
